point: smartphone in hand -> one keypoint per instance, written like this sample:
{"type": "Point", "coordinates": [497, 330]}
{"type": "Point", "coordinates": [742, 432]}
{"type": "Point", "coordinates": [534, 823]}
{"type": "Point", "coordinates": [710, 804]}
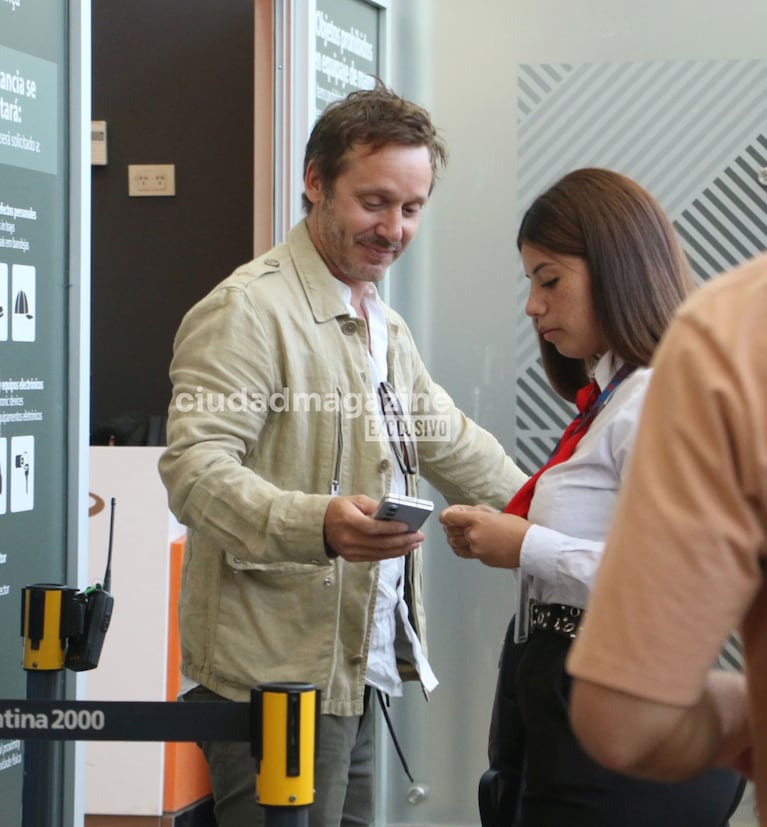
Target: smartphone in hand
{"type": "Point", "coordinates": [409, 510]}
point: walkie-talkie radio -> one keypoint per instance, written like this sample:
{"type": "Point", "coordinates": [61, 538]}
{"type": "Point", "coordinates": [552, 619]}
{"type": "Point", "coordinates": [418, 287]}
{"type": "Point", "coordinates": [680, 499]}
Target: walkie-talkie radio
{"type": "Point", "coordinates": [96, 603]}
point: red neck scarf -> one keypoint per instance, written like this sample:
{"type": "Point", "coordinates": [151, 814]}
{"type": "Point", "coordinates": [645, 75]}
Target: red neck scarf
{"type": "Point", "coordinates": [589, 402]}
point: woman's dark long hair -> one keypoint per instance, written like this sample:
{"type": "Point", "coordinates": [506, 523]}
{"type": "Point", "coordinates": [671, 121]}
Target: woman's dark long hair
{"type": "Point", "coordinates": [639, 273]}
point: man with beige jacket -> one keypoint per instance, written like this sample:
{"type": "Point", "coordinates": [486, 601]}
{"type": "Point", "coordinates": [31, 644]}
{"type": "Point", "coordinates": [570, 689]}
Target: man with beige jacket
{"type": "Point", "coordinates": [298, 400]}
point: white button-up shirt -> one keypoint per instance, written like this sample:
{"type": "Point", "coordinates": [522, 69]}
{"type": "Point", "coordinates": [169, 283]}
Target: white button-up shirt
{"type": "Point", "coordinates": [573, 503]}
{"type": "Point", "coordinates": [390, 605]}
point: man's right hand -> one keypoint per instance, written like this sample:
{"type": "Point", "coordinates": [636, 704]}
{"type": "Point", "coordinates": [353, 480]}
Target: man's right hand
{"type": "Point", "coordinates": [351, 531]}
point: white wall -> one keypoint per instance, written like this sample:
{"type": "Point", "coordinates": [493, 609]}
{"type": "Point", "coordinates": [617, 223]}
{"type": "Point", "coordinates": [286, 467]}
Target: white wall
{"type": "Point", "coordinates": [457, 288]}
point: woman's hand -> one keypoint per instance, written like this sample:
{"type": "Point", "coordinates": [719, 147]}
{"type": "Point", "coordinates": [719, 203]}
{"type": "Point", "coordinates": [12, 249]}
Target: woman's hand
{"type": "Point", "coordinates": [482, 533]}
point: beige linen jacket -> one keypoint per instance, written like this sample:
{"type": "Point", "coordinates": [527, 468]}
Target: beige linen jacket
{"type": "Point", "coordinates": [271, 414]}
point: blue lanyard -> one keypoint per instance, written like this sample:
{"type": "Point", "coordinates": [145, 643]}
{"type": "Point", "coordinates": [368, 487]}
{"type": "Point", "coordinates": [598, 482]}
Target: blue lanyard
{"type": "Point", "coordinates": [586, 417]}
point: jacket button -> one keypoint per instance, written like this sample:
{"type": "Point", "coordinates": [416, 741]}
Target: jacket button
{"type": "Point", "coordinates": [349, 328]}
{"type": "Point", "coordinates": [384, 466]}
{"type": "Point", "coordinates": [354, 659]}
{"type": "Point", "coordinates": [271, 262]}
{"type": "Point", "coordinates": [328, 581]}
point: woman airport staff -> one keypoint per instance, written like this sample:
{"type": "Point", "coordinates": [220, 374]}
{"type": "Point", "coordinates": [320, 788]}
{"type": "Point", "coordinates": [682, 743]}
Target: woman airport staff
{"type": "Point", "coordinates": [606, 274]}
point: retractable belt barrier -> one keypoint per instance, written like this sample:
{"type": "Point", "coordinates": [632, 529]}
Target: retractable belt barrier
{"type": "Point", "coordinates": [54, 720]}
{"type": "Point", "coordinates": [280, 722]}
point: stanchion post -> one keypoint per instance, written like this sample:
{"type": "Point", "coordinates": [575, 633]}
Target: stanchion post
{"type": "Point", "coordinates": [285, 722]}
{"type": "Point", "coordinates": [45, 620]}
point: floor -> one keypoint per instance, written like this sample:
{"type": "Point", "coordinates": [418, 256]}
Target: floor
{"type": "Point", "coordinates": [198, 815]}
{"type": "Point", "coordinates": [745, 817]}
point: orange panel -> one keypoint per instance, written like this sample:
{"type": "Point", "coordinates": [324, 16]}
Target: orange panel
{"type": "Point", "coordinates": [186, 772]}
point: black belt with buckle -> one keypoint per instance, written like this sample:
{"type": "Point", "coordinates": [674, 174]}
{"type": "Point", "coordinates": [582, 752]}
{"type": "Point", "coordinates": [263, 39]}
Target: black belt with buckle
{"type": "Point", "coordinates": [555, 617]}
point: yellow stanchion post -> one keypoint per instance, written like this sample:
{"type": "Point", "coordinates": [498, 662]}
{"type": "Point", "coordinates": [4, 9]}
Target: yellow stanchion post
{"type": "Point", "coordinates": [46, 617]}
{"type": "Point", "coordinates": [44, 626]}
{"type": "Point", "coordinates": [286, 721]}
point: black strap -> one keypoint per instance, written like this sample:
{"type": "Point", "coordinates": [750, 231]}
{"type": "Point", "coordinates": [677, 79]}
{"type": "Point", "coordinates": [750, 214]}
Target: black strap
{"type": "Point", "coordinates": [59, 720]}
{"type": "Point", "coordinates": [384, 703]}
{"type": "Point", "coordinates": [500, 787]}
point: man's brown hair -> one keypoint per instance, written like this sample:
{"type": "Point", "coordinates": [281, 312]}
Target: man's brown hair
{"type": "Point", "coordinates": [374, 118]}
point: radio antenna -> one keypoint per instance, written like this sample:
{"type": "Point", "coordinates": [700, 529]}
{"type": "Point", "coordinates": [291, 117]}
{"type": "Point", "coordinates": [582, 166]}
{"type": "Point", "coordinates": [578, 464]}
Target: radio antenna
{"type": "Point", "coordinates": [108, 572]}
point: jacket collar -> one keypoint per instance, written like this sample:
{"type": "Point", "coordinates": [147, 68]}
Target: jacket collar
{"type": "Point", "coordinates": [320, 285]}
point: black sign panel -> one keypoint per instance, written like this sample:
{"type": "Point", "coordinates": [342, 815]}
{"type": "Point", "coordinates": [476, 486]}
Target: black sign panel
{"type": "Point", "coordinates": [33, 330]}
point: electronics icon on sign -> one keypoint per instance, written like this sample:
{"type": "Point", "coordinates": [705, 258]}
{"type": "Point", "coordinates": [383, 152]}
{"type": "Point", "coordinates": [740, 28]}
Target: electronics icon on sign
{"type": "Point", "coordinates": [3, 475]}
{"type": "Point", "coordinates": [22, 473]}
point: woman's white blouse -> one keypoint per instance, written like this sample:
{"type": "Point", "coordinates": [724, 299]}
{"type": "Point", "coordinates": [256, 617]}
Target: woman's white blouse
{"type": "Point", "coordinates": [574, 501]}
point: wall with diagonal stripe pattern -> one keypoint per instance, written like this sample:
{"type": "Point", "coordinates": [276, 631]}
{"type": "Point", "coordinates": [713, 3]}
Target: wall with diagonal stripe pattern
{"type": "Point", "coordinates": [694, 133]}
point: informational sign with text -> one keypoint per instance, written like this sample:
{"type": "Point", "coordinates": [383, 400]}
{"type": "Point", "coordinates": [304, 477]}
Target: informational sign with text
{"type": "Point", "coordinates": [33, 332]}
{"type": "Point", "coordinates": [347, 49]}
